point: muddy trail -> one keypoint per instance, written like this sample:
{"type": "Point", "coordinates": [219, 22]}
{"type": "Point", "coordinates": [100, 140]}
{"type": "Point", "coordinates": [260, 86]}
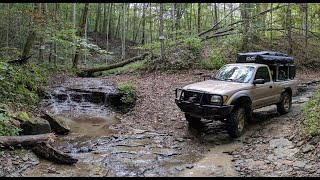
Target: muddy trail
{"type": "Point", "coordinates": [154, 139]}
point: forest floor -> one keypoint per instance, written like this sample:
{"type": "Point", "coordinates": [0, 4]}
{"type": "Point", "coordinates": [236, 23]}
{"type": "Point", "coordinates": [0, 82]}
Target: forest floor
{"type": "Point", "coordinates": [154, 139]}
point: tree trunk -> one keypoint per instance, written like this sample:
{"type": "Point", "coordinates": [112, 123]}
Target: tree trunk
{"type": "Point", "coordinates": [143, 23]}
{"type": "Point", "coordinates": [30, 40]}
{"type": "Point", "coordinates": [81, 32]}
{"type": "Point", "coordinates": [104, 17]}
{"type": "Point", "coordinates": [123, 32]}
{"type": "Point", "coordinates": [150, 23]}
{"type": "Point", "coordinates": [190, 19]}
{"type": "Point", "coordinates": [288, 27]}
{"type": "Point", "coordinates": [97, 18]}
{"type": "Point", "coordinates": [134, 20]}
{"type": "Point", "coordinates": [108, 25]}
{"type": "Point", "coordinates": [245, 36]}
{"type": "Point", "coordinates": [173, 16]}
{"type": "Point", "coordinates": [215, 13]}
{"type": "Point", "coordinates": [42, 43]}
{"type": "Point", "coordinates": [26, 140]}
{"type": "Point", "coordinates": [161, 32]}
{"type": "Point", "coordinates": [178, 18]}
{"type": "Point", "coordinates": [74, 27]}
{"type": "Point", "coordinates": [55, 52]}
{"type": "Point", "coordinates": [199, 17]}
{"type": "Point", "coordinates": [88, 72]}
{"type": "Point", "coordinates": [271, 25]}
{"type": "Point", "coordinates": [46, 151]}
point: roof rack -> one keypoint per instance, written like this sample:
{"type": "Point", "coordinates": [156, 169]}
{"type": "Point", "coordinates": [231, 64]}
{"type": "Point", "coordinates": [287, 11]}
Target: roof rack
{"type": "Point", "coordinates": [264, 57]}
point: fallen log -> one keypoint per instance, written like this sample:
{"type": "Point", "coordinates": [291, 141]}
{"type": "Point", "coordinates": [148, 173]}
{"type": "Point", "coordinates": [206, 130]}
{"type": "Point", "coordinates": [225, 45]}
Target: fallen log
{"type": "Point", "coordinates": [46, 151]}
{"type": "Point", "coordinates": [19, 61]}
{"type": "Point", "coordinates": [26, 140]}
{"type": "Point", "coordinates": [88, 72]}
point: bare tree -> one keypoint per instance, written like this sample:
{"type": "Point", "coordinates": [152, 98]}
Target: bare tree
{"type": "Point", "coordinates": [97, 18]}
{"type": "Point", "coordinates": [143, 23]}
{"type": "Point", "coordinates": [199, 17]}
{"type": "Point", "coordinates": [123, 32]}
{"type": "Point", "coordinates": [80, 32]}
{"type": "Point", "coordinates": [161, 31]}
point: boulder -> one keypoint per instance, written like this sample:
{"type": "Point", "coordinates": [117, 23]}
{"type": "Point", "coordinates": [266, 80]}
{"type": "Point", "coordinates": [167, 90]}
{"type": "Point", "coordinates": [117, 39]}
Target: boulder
{"type": "Point", "coordinates": [56, 123]}
{"type": "Point", "coordinates": [35, 126]}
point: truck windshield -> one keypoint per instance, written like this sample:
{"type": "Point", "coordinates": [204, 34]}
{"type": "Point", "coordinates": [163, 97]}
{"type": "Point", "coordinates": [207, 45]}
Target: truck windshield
{"type": "Point", "coordinates": [241, 74]}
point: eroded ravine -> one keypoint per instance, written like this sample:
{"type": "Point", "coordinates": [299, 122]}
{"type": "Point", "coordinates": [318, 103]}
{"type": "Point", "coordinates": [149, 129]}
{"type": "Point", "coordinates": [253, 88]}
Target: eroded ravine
{"type": "Point", "coordinates": [103, 151]}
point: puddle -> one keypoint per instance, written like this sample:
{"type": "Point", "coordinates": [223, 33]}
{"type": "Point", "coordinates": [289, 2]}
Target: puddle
{"type": "Point", "coordinates": [90, 125]}
{"type": "Point", "coordinates": [214, 163]}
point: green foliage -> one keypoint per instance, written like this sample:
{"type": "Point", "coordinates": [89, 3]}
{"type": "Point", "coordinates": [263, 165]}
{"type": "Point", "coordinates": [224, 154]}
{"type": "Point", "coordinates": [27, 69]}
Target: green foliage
{"type": "Point", "coordinates": [22, 86]}
{"type": "Point", "coordinates": [138, 65]}
{"type": "Point", "coordinates": [23, 116]}
{"type": "Point", "coordinates": [181, 54]}
{"type": "Point", "coordinates": [128, 91]}
{"type": "Point", "coordinates": [214, 61]}
{"type": "Point", "coordinates": [311, 113]}
{"type": "Point", "coordinates": [6, 127]}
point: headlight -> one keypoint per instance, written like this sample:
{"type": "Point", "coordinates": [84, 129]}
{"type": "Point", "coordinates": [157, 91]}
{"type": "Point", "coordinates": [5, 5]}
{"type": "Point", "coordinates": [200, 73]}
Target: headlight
{"type": "Point", "coordinates": [216, 99]}
{"type": "Point", "coordinates": [178, 93]}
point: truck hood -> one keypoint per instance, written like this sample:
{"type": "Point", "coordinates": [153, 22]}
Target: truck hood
{"type": "Point", "coordinates": [217, 87]}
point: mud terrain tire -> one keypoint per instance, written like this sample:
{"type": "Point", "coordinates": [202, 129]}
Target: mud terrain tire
{"type": "Point", "coordinates": [285, 104]}
{"type": "Point", "coordinates": [193, 122]}
{"type": "Point", "coordinates": [236, 122]}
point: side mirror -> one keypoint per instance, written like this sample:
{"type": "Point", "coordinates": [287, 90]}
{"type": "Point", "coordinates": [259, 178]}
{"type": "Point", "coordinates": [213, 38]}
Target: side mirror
{"type": "Point", "coordinates": [259, 81]}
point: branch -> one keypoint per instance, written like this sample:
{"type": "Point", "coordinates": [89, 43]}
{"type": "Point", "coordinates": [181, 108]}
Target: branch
{"type": "Point", "coordinates": [241, 20]}
{"type": "Point", "coordinates": [214, 26]}
{"type": "Point", "coordinates": [219, 35]}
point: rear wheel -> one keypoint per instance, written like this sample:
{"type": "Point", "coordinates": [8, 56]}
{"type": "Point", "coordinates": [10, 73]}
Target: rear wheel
{"type": "Point", "coordinates": [194, 122]}
{"type": "Point", "coordinates": [285, 104]}
{"type": "Point", "coordinates": [236, 122]}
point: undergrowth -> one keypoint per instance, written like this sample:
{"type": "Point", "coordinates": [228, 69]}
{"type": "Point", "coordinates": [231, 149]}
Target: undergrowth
{"type": "Point", "coordinates": [311, 113]}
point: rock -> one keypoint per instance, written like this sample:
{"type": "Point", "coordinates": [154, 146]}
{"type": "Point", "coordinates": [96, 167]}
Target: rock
{"type": "Point", "coordinates": [25, 158]}
{"type": "Point", "coordinates": [299, 164]}
{"type": "Point", "coordinates": [282, 142]}
{"type": "Point", "coordinates": [300, 143]}
{"type": "Point", "coordinates": [56, 123]}
{"type": "Point", "coordinates": [180, 139]}
{"type": "Point", "coordinates": [189, 166]}
{"type": "Point", "coordinates": [267, 161]}
{"type": "Point", "coordinates": [308, 167]}
{"type": "Point", "coordinates": [179, 168]}
{"type": "Point", "coordinates": [35, 126]}
{"type": "Point", "coordinates": [307, 148]}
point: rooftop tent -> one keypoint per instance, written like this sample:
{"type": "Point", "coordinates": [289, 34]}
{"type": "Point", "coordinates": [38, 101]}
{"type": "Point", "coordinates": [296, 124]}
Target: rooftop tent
{"type": "Point", "coordinates": [264, 57]}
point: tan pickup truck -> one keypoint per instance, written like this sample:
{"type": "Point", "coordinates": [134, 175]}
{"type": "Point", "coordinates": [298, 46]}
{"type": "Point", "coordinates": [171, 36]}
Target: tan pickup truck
{"type": "Point", "coordinates": [235, 90]}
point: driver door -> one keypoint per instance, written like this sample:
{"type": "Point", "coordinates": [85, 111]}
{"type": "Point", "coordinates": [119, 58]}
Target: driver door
{"type": "Point", "coordinates": [262, 94]}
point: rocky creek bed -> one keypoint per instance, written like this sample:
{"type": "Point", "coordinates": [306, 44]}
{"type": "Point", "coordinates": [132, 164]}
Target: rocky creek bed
{"type": "Point", "coordinates": [154, 139]}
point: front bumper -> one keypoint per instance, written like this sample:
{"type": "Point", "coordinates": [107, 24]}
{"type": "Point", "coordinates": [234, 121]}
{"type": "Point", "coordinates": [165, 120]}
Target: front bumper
{"type": "Point", "coordinates": [204, 111]}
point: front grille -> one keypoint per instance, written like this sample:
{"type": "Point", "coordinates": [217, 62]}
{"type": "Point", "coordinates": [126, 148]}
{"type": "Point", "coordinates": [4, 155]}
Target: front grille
{"type": "Point", "coordinates": [206, 99]}
{"type": "Point", "coordinates": [190, 96]}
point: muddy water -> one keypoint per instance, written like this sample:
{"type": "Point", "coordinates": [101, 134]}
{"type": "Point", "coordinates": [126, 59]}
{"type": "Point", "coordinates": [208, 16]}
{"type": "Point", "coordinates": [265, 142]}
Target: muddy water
{"type": "Point", "coordinates": [215, 163]}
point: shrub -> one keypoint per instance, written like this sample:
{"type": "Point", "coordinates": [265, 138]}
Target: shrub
{"type": "Point", "coordinates": [214, 61]}
{"type": "Point", "coordinates": [128, 91]}
{"type": "Point", "coordinates": [6, 127]}
{"type": "Point", "coordinates": [311, 113]}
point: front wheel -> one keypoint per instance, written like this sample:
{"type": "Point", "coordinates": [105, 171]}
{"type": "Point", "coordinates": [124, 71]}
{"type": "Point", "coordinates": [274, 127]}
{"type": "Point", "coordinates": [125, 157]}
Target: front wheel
{"type": "Point", "coordinates": [194, 122]}
{"type": "Point", "coordinates": [285, 104]}
{"type": "Point", "coordinates": [236, 122]}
